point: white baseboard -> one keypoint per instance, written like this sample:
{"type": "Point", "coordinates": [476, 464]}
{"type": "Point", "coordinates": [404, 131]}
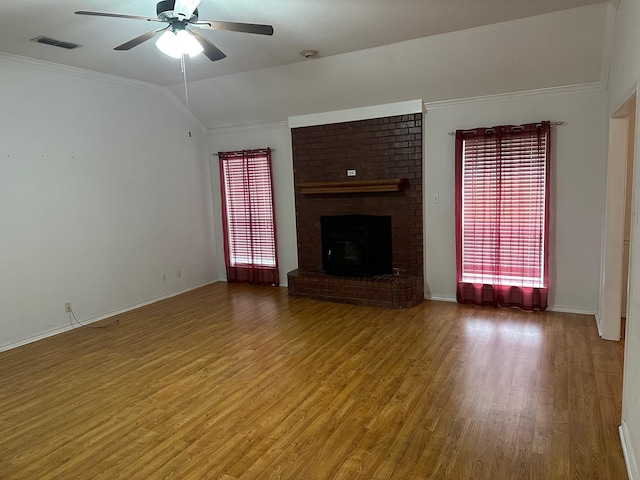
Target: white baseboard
{"type": "Point", "coordinates": [570, 309]}
{"type": "Point", "coordinates": [35, 338]}
{"type": "Point", "coordinates": [627, 451]}
{"type": "Point", "coordinates": [552, 308]}
{"type": "Point", "coordinates": [283, 284]}
{"type": "Point", "coordinates": [599, 323]}
{"type": "Point", "coordinates": [440, 298]}
{"type": "Point", "coordinates": [66, 328]}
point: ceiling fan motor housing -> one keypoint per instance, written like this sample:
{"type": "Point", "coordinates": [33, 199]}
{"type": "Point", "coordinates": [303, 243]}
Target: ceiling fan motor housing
{"type": "Point", "coordinates": [165, 11]}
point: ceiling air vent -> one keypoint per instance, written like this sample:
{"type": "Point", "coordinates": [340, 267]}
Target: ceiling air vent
{"type": "Point", "coordinates": [55, 43]}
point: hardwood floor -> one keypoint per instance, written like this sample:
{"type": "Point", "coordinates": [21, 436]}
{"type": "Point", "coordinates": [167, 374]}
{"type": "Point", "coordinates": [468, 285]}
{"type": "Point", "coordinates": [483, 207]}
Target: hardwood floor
{"type": "Point", "coordinates": [237, 382]}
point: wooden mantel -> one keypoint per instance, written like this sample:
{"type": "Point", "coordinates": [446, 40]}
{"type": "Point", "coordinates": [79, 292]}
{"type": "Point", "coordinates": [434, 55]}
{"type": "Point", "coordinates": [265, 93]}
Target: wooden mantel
{"type": "Point", "coordinates": [353, 186]}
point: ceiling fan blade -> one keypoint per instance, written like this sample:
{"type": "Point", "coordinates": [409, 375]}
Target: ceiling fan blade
{"type": "Point", "coordinates": [185, 8]}
{"type": "Point", "coordinates": [138, 40]}
{"type": "Point", "coordinates": [235, 27]}
{"type": "Point", "coordinates": [210, 50]}
{"type": "Point", "coordinates": [117, 15]}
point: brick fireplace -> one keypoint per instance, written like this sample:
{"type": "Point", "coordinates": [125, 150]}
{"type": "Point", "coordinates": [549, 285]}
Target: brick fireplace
{"type": "Point", "coordinates": [386, 154]}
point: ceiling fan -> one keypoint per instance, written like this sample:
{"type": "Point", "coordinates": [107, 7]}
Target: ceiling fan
{"type": "Point", "coordinates": [178, 37]}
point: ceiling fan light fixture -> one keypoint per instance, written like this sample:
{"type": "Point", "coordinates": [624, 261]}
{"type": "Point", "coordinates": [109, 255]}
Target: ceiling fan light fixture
{"type": "Point", "coordinates": [188, 43]}
{"type": "Point", "coordinates": [177, 44]}
{"type": "Point", "coordinates": [167, 43]}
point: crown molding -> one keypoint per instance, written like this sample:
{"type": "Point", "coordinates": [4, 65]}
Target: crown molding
{"type": "Point", "coordinates": [75, 72]}
{"type": "Point", "coordinates": [508, 97]}
{"type": "Point", "coordinates": [102, 77]}
{"type": "Point", "coordinates": [355, 114]}
{"type": "Point", "coordinates": [244, 128]}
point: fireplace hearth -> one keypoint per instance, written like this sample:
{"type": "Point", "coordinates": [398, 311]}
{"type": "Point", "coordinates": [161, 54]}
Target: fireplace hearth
{"type": "Point", "coordinates": [381, 291]}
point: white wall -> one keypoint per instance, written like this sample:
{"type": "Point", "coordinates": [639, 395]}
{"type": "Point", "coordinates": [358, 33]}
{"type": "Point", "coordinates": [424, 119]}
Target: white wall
{"type": "Point", "coordinates": [623, 81]}
{"type": "Point", "coordinates": [624, 69]}
{"type": "Point", "coordinates": [560, 48]}
{"type": "Point", "coordinates": [101, 192]}
{"type": "Point", "coordinates": [544, 51]}
{"type": "Point", "coordinates": [278, 138]}
{"type": "Point", "coordinates": [577, 179]}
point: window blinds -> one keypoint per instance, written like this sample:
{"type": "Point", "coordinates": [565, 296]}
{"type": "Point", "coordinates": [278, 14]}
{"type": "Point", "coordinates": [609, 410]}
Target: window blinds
{"type": "Point", "coordinates": [249, 223]}
{"type": "Point", "coordinates": [504, 175]}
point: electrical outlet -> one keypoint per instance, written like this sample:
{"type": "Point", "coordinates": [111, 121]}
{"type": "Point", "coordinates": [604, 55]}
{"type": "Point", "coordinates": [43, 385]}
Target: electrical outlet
{"type": "Point", "coordinates": [67, 307]}
{"type": "Point", "coordinates": [164, 277]}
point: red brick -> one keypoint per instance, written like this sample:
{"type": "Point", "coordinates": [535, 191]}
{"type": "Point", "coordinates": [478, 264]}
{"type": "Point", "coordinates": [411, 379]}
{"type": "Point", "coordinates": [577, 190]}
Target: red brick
{"type": "Point", "coordinates": [339, 147]}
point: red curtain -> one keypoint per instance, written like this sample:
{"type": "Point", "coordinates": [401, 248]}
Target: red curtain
{"type": "Point", "coordinates": [248, 213]}
{"type": "Point", "coordinates": [502, 215]}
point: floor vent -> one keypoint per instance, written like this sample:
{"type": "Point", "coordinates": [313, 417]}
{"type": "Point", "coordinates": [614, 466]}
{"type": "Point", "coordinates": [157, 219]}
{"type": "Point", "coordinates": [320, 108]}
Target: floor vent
{"type": "Point", "coordinates": [55, 43]}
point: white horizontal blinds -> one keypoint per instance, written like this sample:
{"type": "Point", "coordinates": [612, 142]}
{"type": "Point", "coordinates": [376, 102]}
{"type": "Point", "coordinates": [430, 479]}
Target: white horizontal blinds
{"type": "Point", "coordinates": [503, 207]}
{"type": "Point", "coordinates": [249, 209]}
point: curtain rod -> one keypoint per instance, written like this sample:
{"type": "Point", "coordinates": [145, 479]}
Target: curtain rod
{"type": "Point", "coordinates": [553, 124]}
{"type": "Point", "coordinates": [255, 150]}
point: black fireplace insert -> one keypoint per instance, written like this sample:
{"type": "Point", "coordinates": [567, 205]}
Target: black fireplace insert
{"type": "Point", "coordinates": [356, 245]}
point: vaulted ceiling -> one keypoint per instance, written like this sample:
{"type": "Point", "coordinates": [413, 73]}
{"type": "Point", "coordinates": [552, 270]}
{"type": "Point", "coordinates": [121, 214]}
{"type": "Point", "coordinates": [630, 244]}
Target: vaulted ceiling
{"type": "Point", "coordinates": [330, 26]}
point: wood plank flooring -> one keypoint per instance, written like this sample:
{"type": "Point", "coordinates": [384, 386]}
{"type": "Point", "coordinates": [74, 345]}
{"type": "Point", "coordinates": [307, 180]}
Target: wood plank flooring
{"type": "Point", "coordinates": [238, 382]}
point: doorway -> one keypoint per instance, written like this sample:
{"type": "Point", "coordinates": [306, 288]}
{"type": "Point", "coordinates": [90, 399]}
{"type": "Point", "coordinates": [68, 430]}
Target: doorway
{"type": "Point", "coordinates": [615, 256]}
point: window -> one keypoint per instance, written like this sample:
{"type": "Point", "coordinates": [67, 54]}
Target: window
{"type": "Point", "coordinates": [502, 204]}
{"type": "Point", "coordinates": [248, 217]}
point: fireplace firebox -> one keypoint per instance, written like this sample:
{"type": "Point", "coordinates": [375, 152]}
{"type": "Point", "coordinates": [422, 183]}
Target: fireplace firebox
{"type": "Point", "coordinates": [356, 245]}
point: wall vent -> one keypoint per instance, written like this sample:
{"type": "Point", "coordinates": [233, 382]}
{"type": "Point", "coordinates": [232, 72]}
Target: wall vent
{"type": "Point", "coordinates": [55, 43]}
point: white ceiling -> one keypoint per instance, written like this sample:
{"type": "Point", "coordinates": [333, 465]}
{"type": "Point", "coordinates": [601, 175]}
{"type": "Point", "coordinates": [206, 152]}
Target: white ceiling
{"type": "Point", "coordinates": [330, 26]}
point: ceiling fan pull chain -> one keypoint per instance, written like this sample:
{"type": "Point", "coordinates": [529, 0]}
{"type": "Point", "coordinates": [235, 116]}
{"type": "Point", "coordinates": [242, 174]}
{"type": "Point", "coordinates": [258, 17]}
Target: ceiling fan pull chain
{"type": "Point", "coordinates": [184, 75]}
